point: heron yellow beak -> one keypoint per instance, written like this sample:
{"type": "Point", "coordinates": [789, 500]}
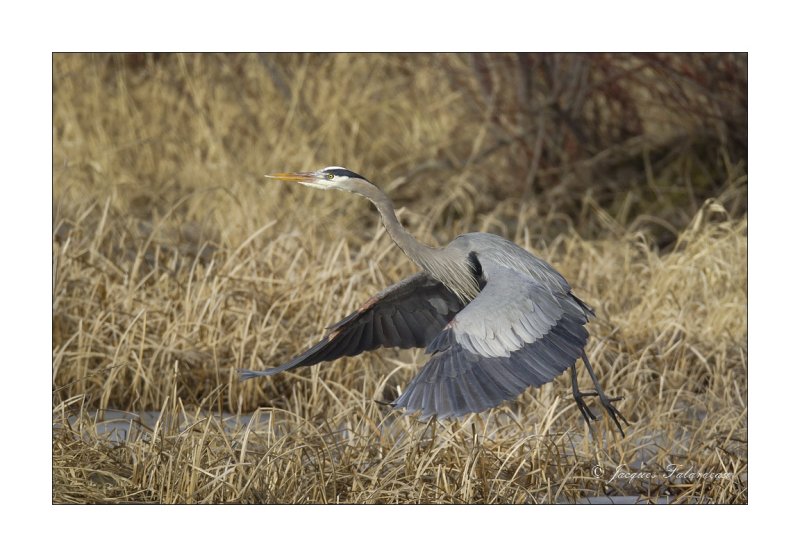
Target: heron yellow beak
{"type": "Point", "coordinates": [292, 176]}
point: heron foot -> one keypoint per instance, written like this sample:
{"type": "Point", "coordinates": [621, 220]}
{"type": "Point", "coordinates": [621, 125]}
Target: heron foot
{"type": "Point", "coordinates": [608, 403]}
{"type": "Point", "coordinates": [612, 410]}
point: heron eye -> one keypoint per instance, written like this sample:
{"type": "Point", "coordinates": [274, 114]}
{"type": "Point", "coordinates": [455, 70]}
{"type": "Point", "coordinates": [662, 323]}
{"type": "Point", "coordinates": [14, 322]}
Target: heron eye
{"type": "Point", "coordinates": [329, 176]}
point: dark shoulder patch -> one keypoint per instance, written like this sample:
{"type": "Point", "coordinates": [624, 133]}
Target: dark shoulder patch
{"type": "Point", "coordinates": [477, 269]}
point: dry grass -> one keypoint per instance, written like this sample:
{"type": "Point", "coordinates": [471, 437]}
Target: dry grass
{"type": "Point", "coordinates": [174, 263]}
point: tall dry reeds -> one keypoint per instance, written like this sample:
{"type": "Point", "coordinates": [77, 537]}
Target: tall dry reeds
{"type": "Point", "coordinates": [175, 262]}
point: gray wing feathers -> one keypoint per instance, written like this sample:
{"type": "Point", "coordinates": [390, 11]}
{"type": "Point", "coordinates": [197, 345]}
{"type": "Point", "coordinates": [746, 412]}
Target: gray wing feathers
{"type": "Point", "coordinates": [407, 314]}
{"type": "Point", "coordinates": [518, 332]}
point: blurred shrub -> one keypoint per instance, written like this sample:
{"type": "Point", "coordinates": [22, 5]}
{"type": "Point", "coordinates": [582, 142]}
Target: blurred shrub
{"type": "Point", "coordinates": [650, 134]}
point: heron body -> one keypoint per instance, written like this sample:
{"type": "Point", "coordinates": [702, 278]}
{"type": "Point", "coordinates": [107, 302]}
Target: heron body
{"type": "Point", "coordinates": [494, 318]}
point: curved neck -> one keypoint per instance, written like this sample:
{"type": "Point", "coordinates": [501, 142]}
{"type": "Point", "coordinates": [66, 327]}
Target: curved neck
{"type": "Point", "coordinates": [421, 254]}
{"type": "Point", "coordinates": [448, 267]}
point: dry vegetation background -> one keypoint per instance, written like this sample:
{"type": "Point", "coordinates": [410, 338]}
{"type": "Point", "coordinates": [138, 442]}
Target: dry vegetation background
{"type": "Point", "coordinates": [175, 262]}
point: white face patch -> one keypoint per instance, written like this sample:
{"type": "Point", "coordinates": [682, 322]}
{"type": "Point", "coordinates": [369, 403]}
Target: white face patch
{"type": "Point", "coordinates": [328, 183]}
{"type": "Point", "coordinates": [315, 185]}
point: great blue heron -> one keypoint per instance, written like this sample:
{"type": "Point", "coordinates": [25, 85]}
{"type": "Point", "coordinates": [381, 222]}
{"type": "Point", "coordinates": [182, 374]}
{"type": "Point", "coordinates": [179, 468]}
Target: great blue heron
{"type": "Point", "coordinates": [494, 318]}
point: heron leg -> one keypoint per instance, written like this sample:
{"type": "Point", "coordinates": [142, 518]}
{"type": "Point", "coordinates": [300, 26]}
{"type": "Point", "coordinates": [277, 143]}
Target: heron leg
{"type": "Point", "coordinates": [607, 403]}
{"type": "Point", "coordinates": [578, 396]}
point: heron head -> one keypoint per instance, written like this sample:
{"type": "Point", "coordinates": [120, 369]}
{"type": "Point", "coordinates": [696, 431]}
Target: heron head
{"type": "Point", "coordinates": [328, 178]}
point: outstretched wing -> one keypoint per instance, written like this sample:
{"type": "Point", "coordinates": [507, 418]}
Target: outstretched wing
{"type": "Point", "coordinates": [516, 333]}
{"type": "Point", "coordinates": [409, 313]}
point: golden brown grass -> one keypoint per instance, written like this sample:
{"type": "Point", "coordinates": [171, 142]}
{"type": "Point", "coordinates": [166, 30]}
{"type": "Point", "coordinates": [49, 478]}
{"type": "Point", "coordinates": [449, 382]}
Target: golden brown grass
{"type": "Point", "coordinates": [175, 262]}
